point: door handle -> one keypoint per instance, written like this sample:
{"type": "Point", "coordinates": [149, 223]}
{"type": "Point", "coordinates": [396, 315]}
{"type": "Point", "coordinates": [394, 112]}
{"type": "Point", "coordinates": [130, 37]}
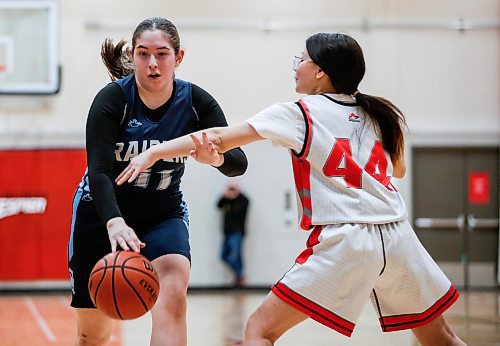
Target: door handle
{"type": "Point", "coordinates": [473, 222]}
{"type": "Point", "coordinates": [424, 222]}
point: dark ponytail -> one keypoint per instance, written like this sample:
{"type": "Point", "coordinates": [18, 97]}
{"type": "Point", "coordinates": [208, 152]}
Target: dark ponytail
{"type": "Point", "coordinates": [341, 58]}
{"type": "Point", "coordinates": [390, 121]}
{"type": "Point", "coordinates": [117, 59]}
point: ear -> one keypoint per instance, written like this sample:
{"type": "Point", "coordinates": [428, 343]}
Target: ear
{"type": "Point", "coordinates": [179, 57]}
{"type": "Point", "coordinates": [320, 74]}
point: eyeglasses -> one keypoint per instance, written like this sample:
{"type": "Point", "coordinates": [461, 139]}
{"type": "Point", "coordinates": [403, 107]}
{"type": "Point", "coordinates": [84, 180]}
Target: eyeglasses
{"type": "Point", "coordinates": [297, 60]}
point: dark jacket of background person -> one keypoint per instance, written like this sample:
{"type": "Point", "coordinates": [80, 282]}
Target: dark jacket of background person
{"type": "Point", "coordinates": [234, 210]}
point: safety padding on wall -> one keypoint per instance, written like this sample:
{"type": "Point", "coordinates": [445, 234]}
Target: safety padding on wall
{"type": "Point", "coordinates": [36, 191]}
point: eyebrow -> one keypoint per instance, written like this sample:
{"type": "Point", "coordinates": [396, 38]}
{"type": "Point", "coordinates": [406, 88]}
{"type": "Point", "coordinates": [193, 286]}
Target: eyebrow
{"type": "Point", "coordinates": [162, 47]}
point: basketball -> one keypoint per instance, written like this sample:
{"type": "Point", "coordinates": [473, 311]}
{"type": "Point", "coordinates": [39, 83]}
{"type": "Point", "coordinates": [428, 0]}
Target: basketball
{"type": "Point", "coordinates": [124, 285]}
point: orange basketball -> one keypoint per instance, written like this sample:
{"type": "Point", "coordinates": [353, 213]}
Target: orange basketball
{"type": "Point", "coordinates": [124, 285]}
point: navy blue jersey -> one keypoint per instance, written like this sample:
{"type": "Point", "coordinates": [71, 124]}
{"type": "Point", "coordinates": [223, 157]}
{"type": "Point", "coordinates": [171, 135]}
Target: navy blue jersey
{"type": "Point", "coordinates": [158, 188]}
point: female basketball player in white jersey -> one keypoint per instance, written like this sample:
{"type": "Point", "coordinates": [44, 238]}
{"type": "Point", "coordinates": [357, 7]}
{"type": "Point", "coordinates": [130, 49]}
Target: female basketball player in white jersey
{"type": "Point", "coordinates": [345, 147]}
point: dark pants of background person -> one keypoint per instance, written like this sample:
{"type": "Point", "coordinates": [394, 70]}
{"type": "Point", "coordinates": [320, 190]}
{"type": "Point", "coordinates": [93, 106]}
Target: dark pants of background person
{"type": "Point", "coordinates": [231, 253]}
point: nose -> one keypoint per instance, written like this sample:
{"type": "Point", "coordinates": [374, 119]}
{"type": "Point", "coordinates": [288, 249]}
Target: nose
{"type": "Point", "coordinates": [152, 61]}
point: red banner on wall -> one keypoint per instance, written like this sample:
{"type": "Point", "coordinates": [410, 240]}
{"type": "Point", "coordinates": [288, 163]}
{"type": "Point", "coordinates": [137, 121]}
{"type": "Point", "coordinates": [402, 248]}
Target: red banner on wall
{"type": "Point", "coordinates": [36, 191]}
{"type": "Point", "coordinates": [479, 188]}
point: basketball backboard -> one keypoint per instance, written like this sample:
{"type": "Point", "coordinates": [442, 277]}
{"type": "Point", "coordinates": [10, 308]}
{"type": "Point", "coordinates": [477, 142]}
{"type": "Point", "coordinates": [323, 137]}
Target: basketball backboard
{"type": "Point", "coordinates": [29, 61]}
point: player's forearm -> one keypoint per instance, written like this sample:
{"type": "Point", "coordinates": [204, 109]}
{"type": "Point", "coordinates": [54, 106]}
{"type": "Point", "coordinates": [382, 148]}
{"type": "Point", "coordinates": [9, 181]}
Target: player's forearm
{"type": "Point", "coordinates": [234, 136]}
{"type": "Point", "coordinates": [224, 139]}
{"type": "Point", "coordinates": [178, 147]}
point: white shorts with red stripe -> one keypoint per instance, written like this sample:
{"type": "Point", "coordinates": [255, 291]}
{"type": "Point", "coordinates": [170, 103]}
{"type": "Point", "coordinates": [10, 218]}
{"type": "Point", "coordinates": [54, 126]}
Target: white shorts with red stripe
{"type": "Point", "coordinates": [345, 264]}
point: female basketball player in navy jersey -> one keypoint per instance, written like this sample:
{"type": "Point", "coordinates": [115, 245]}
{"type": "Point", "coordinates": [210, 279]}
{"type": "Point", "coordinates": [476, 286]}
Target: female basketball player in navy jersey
{"type": "Point", "coordinates": [345, 147]}
{"type": "Point", "coordinates": [144, 106]}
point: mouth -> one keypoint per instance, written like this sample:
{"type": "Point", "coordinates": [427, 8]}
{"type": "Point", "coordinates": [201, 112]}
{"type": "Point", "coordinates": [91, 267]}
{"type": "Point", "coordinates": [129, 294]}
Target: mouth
{"type": "Point", "coordinates": [154, 76]}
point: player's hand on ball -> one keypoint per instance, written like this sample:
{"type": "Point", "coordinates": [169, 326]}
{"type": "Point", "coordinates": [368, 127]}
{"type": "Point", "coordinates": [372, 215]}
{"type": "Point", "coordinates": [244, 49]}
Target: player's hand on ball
{"type": "Point", "coordinates": [205, 152]}
{"type": "Point", "coordinates": [138, 164]}
{"type": "Point", "coordinates": [122, 235]}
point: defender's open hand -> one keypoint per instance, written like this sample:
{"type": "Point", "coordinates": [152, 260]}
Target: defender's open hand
{"type": "Point", "coordinates": [205, 152]}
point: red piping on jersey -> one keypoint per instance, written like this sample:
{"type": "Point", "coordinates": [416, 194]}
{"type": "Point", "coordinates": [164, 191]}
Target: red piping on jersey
{"type": "Point", "coordinates": [309, 127]}
{"type": "Point", "coordinates": [313, 310]}
{"type": "Point", "coordinates": [311, 241]}
{"type": "Point", "coordinates": [302, 172]}
{"type": "Point", "coordinates": [409, 321]}
{"type": "Point", "coordinates": [302, 177]}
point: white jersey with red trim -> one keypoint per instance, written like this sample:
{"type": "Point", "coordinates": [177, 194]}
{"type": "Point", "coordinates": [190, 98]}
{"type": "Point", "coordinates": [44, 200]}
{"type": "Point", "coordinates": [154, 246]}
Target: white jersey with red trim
{"type": "Point", "coordinates": [342, 173]}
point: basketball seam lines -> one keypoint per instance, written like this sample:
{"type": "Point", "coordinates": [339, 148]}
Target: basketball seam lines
{"type": "Point", "coordinates": [113, 287]}
{"type": "Point", "coordinates": [131, 286]}
{"type": "Point", "coordinates": [129, 268]}
{"type": "Point", "coordinates": [100, 281]}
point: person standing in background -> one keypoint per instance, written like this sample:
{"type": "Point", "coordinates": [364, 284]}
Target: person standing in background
{"type": "Point", "coordinates": [234, 205]}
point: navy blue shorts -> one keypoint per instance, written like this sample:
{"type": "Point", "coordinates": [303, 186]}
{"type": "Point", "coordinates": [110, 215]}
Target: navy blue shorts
{"type": "Point", "coordinates": [89, 242]}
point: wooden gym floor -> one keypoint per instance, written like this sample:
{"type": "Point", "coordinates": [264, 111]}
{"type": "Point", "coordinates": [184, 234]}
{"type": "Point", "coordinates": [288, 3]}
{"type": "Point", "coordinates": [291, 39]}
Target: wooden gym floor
{"type": "Point", "coordinates": [217, 318]}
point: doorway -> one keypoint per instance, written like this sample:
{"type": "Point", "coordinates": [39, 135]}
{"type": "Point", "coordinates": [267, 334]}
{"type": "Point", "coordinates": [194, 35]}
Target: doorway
{"type": "Point", "coordinates": [455, 210]}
